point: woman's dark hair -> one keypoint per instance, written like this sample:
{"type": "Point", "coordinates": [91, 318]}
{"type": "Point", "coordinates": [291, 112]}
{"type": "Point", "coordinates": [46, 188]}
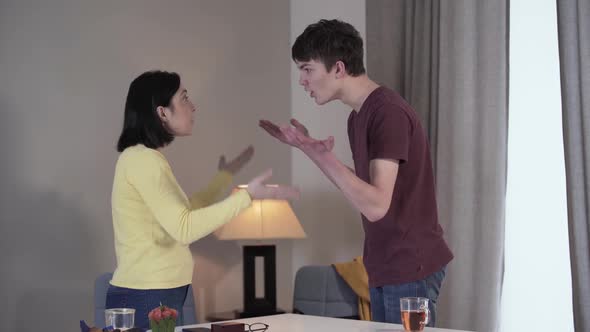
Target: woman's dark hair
{"type": "Point", "coordinates": [141, 124]}
{"type": "Point", "coordinates": [330, 41]}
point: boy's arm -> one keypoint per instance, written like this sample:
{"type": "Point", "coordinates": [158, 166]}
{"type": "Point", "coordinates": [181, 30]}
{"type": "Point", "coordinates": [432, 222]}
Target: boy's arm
{"type": "Point", "coordinates": [371, 199]}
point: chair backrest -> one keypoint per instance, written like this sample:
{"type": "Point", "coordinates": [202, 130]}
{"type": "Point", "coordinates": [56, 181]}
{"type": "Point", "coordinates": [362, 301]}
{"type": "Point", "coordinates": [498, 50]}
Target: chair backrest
{"type": "Point", "coordinates": [319, 290]}
{"type": "Point", "coordinates": [101, 285]}
{"type": "Point", "coordinates": [189, 308]}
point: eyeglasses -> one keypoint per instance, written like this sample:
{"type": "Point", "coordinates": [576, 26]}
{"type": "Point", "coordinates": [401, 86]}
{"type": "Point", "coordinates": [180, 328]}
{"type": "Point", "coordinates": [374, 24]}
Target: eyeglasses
{"type": "Point", "coordinates": [257, 327]}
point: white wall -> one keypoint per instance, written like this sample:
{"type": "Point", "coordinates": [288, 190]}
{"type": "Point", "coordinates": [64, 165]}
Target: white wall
{"type": "Point", "coordinates": [333, 227]}
{"type": "Point", "coordinates": [66, 67]}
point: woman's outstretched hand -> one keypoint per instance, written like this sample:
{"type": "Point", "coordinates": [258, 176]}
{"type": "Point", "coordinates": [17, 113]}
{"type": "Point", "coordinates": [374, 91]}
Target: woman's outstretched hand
{"type": "Point", "coordinates": [258, 190]}
{"type": "Point", "coordinates": [238, 162]}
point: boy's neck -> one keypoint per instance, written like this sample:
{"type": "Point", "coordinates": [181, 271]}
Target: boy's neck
{"type": "Point", "coordinates": [356, 90]}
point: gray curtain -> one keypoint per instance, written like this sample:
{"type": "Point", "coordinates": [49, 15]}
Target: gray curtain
{"type": "Point", "coordinates": [449, 60]}
{"type": "Point", "coordinates": [574, 50]}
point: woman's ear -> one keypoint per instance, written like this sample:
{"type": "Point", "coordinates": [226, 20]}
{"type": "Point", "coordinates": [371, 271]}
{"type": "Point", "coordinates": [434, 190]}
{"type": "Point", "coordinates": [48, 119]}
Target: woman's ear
{"type": "Point", "coordinates": [161, 110]}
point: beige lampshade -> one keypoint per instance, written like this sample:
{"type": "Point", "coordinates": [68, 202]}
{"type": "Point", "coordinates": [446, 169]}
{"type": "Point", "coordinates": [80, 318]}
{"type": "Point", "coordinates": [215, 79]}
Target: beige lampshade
{"type": "Point", "coordinates": [264, 219]}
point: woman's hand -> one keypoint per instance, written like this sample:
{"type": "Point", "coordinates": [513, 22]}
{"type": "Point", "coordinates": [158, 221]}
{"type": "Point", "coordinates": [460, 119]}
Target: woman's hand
{"type": "Point", "coordinates": [237, 163]}
{"type": "Point", "coordinates": [258, 190]}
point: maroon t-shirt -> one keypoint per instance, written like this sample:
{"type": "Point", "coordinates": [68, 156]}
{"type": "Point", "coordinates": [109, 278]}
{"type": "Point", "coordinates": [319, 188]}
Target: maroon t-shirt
{"type": "Point", "coordinates": [407, 243]}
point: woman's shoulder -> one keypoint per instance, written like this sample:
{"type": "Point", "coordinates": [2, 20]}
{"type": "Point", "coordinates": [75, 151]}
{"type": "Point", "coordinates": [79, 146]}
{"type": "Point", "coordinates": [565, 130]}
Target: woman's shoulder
{"type": "Point", "coordinates": [140, 154]}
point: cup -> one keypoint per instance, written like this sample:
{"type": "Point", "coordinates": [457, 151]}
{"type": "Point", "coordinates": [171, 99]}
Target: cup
{"type": "Point", "coordinates": [120, 318]}
{"type": "Point", "coordinates": [415, 313]}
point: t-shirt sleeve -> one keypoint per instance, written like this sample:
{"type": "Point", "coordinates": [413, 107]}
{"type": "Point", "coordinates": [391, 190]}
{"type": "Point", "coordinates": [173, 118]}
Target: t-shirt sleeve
{"type": "Point", "coordinates": [389, 134]}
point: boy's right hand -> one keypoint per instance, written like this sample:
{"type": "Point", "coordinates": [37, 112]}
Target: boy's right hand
{"type": "Point", "coordinates": [297, 136]}
{"type": "Point", "coordinates": [278, 132]}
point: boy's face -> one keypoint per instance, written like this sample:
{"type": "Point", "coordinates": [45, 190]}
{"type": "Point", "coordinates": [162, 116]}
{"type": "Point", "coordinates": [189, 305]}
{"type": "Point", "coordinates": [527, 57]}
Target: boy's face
{"type": "Point", "coordinates": [321, 84]}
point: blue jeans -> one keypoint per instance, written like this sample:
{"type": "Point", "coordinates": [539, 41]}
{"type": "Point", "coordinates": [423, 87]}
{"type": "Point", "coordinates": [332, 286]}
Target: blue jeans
{"type": "Point", "coordinates": [144, 300]}
{"type": "Point", "coordinates": [385, 306]}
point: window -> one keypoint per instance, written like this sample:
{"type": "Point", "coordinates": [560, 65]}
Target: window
{"type": "Point", "coordinates": [537, 293]}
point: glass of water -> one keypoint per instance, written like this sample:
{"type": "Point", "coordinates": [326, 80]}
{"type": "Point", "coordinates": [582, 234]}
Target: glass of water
{"type": "Point", "coordinates": [120, 318]}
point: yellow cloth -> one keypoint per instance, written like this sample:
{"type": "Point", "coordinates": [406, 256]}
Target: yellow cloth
{"type": "Point", "coordinates": [154, 221]}
{"type": "Point", "coordinates": [356, 277]}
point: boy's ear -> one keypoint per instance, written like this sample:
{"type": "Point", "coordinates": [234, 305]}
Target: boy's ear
{"type": "Point", "coordinates": [340, 69]}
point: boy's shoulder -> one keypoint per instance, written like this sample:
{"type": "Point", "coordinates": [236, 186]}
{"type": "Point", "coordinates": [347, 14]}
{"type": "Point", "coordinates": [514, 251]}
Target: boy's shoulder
{"type": "Point", "coordinates": [385, 100]}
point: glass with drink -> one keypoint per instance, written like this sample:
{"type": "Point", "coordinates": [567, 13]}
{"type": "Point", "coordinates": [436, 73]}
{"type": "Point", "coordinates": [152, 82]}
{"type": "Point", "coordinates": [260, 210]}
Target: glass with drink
{"type": "Point", "coordinates": [415, 313]}
{"type": "Point", "coordinates": [120, 318]}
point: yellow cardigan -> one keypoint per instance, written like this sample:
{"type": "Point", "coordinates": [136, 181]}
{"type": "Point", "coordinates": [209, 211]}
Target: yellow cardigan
{"type": "Point", "coordinates": [356, 277]}
{"type": "Point", "coordinates": [154, 221]}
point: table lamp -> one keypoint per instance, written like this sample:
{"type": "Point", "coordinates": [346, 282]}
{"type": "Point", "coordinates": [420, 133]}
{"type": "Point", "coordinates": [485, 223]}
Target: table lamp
{"type": "Point", "coordinates": [264, 220]}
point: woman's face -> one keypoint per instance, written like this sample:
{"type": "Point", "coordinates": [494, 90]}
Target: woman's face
{"type": "Point", "coordinates": [178, 118]}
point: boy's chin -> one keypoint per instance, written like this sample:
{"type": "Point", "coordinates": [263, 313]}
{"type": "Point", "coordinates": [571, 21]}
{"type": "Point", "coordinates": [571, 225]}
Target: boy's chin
{"type": "Point", "coordinates": [321, 102]}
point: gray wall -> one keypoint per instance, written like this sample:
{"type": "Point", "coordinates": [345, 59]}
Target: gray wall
{"type": "Point", "coordinates": [66, 67]}
{"type": "Point", "coordinates": [333, 226]}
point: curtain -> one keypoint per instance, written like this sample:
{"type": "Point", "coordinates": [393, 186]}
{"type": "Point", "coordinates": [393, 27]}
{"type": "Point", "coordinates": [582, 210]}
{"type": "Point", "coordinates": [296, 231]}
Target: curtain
{"type": "Point", "coordinates": [574, 52]}
{"type": "Point", "coordinates": [449, 59]}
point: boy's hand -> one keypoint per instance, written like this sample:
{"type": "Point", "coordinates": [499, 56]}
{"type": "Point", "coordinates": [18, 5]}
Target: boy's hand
{"type": "Point", "coordinates": [297, 136]}
{"type": "Point", "coordinates": [275, 130]}
{"type": "Point", "coordinates": [305, 143]}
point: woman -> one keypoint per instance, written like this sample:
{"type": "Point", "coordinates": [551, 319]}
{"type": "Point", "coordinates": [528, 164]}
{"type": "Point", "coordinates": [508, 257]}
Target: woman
{"type": "Point", "coordinates": [153, 220]}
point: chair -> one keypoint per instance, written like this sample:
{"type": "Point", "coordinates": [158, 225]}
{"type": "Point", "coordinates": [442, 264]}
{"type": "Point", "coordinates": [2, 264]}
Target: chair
{"type": "Point", "coordinates": [101, 284]}
{"type": "Point", "coordinates": [320, 291]}
{"type": "Point", "coordinates": [189, 308]}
